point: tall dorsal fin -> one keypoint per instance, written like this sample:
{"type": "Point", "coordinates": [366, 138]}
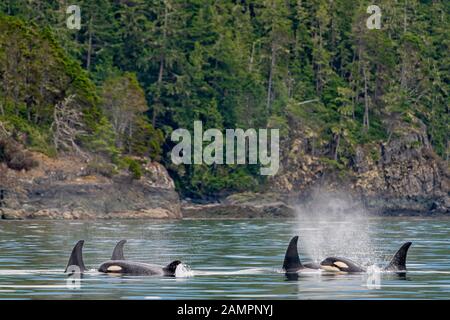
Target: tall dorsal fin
{"type": "Point", "coordinates": [118, 251]}
{"type": "Point", "coordinates": [171, 268]}
{"type": "Point", "coordinates": [291, 259]}
{"type": "Point", "coordinates": [398, 261]}
{"type": "Point", "coordinates": [76, 257]}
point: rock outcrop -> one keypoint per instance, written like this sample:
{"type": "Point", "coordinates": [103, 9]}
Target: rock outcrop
{"type": "Point", "coordinates": [402, 175]}
{"type": "Point", "coordinates": [65, 188]}
{"type": "Point", "coordinates": [407, 176]}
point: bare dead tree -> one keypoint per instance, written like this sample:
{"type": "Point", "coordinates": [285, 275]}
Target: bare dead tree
{"type": "Point", "coordinates": [67, 126]}
{"type": "Point", "coordinates": [3, 131]}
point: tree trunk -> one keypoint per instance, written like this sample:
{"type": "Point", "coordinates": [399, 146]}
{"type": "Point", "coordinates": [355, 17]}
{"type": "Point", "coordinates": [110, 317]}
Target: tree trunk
{"type": "Point", "coordinates": [16, 98]}
{"type": "Point", "coordinates": [89, 52]}
{"type": "Point", "coordinates": [338, 141]}
{"type": "Point", "coordinates": [252, 55]}
{"type": "Point", "coordinates": [157, 100]}
{"type": "Point", "coordinates": [269, 87]}
{"type": "Point", "coordinates": [405, 16]}
{"type": "Point", "coordinates": [313, 149]}
{"type": "Point", "coordinates": [352, 82]}
{"type": "Point", "coordinates": [162, 60]}
{"type": "Point", "coordinates": [130, 135]}
{"type": "Point", "coordinates": [366, 102]}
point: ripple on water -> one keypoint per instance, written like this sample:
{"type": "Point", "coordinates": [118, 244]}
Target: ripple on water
{"type": "Point", "coordinates": [227, 259]}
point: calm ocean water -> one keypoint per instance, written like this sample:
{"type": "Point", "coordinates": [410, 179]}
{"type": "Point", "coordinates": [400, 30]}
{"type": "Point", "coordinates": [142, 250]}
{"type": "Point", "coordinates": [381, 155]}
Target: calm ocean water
{"type": "Point", "coordinates": [228, 259]}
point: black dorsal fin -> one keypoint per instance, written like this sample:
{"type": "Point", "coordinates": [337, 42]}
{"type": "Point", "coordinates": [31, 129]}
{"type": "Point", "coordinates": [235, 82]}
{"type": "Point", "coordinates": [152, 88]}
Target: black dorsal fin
{"type": "Point", "coordinates": [171, 268]}
{"type": "Point", "coordinates": [291, 259]}
{"type": "Point", "coordinates": [398, 261]}
{"type": "Point", "coordinates": [76, 258]}
{"type": "Point", "coordinates": [118, 251]}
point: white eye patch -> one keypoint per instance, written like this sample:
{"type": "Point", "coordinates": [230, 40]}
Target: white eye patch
{"type": "Point", "coordinates": [114, 268]}
{"type": "Point", "coordinates": [341, 265]}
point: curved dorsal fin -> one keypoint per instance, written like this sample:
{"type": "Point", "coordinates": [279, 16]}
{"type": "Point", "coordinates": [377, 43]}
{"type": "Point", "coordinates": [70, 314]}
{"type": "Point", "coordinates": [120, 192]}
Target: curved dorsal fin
{"type": "Point", "coordinates": [291, 259]}
{"type": "Point", "coordinates": [171, 267]}
{"type": "Point", "coordinates": [76, 257]}
{"type": "Point", "coordinates": [398, 262]}
{"type": "Point", "coordinates": [118, 251]}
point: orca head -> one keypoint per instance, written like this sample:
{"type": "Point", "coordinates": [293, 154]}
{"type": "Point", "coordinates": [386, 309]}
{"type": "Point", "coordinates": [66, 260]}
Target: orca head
{"type": "Point", "coordinates": [328, 264]}
{"type": "Point", "coordinates": [339, 265]}
{"type": "Point", "coordinates": [172, 267]}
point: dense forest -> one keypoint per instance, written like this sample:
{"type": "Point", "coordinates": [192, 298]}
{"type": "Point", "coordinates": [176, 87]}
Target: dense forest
{"type": "Point", "coordinates": [114, 90]}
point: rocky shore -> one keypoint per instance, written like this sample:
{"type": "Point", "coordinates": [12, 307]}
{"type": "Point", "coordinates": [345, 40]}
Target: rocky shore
{"type": "Point", "coordinates": [66, 189]}
{"type": "Point", "coordinates": [245, 205]}
{"type": "Point", "coordinates": [400, 177]}
{"type": "Point", "coordinates": [263, 206]}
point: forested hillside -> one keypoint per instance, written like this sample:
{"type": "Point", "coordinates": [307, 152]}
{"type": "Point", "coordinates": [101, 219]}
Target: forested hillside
{"type": "Point", "coordinates": [138, 69]}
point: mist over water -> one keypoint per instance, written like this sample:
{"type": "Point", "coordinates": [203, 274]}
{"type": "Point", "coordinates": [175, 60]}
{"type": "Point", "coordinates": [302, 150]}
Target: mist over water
{"type": "Point", "coordinates": [334, 224]}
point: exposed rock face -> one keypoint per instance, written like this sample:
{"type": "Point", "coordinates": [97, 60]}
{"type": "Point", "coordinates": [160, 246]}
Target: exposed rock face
{"type": "Point", "coordinates": [63, 189]}
{"type": "Point", "coordinates": [299, 169]}
{"type": "Point", "coordinates": [407, 177]}
{"type": "Point", "coordinates": [401, 175]}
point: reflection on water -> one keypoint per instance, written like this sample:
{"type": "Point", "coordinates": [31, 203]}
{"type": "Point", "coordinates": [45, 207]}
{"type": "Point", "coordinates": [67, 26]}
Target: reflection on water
{"type": "Point", "coordinates": [225, 259]}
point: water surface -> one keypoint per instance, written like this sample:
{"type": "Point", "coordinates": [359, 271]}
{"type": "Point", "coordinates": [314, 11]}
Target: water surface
{"type": "Point", "coordinates": [235, 259]}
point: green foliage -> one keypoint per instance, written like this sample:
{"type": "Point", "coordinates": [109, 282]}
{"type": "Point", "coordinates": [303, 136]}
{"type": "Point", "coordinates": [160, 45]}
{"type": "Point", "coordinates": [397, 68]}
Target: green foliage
{"type": "Point", "coordinates": [333, 164]}
{"type": "Point", "coordinates": [101, 142]}
{"type": "Point", "coordinates": [146, 140]}
{"type": "Point", "coordinates": [231, 64]}
{"type": "Point", "coordinates": [200, 181]}
{"type": "Point", "coordinates": [124, 103]}
{"type": "Point", "coordinates": [99, 166]}
{"type": "Point", "coordinates": [34, 137]}
{"type": "Point", "coordinates": [135, 169]}
{"type": "Point", "coordinates": [133, 165]}
{"type": "Point", "coordinates": [36, 75]}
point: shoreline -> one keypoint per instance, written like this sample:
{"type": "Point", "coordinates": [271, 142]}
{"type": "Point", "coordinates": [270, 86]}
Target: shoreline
{"type": "Point", "coordinates": [201, 212]}
{"type": "Point", "coordinates": [413, 217]}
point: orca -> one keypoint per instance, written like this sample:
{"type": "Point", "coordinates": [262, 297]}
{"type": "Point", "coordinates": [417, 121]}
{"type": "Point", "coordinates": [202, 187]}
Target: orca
{"type": "Point", "coordinates": [76, 257]}
{"type": "Point", "coordinates": [118, 251]}
{"type": "Point", "coordinates": [337, 264]}
{"type": "Point", "coordinates": [118, 265]}
{"type": "Point", "coordinates": [292, 263]}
